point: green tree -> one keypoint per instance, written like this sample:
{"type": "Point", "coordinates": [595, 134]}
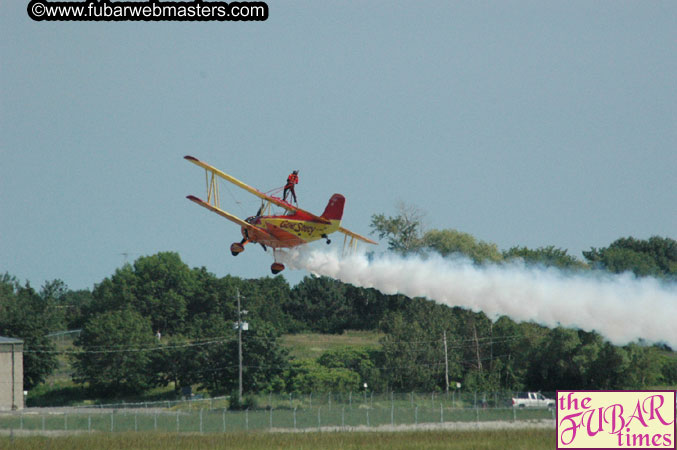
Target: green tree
{"type": "Point", "coordinates": [52, 294]}
{"type": "Point", "coordinates": [669, 369]}
{"type": "Point", "coordinates": [25, 315]}
{"type": "Point", "coordinates": [552, 365]}
{"type": "Point", "coordinates": [367, 306]}
{"type": "Point", "coordinates": [330, 306]}
{"type": "Point", "coordinates": [449, 242]}
{"type": "Point", "coordinates": [404, 231]}
{"type": "Point", "coordinates": [576, 359]}
{"type": "Point", "coordinates": [116, 349]}
{"type": "Point", "coordinates": [361, 360]}
{"type": "Point", "coordinates": [644, 368]}
{"type": "Point", "coordinates": [656, 256]}
{"type": "Point", "coordinates": [307, 376]}
{"type": "Point", "coordinates": [410, 362]}
{"type": "Point", "coordinates": [547, 256]}
{"type": "Point", "coordinates": [211, 296]}
{"type": "Point", "coordinates": [76, 305]}
{"type": "Point", "coordinates": [405, 235]}
{"type": "Point", "coordinates": [176, 361]}
{"type": "Point", "coordinates": [267, 299]}
{"type": "Point", "coordinates": [512, 345]}
{"type": "Point", "coordinates": [115, 293]}
{"type": "Point", "coordinates": [264, 360]}
{"type": "Point", "coordinates": [413, 348]}
{"type": "Point", "coordinates": [320, 303]}
{"type": "Point", "coordinates": [158, 287]}
{"type": "Point", "coordinates": [482, 369]}
{"type": "Point", "coordinates": [163, 285]}
{"type": "Point", "coordinates": [609, 370]}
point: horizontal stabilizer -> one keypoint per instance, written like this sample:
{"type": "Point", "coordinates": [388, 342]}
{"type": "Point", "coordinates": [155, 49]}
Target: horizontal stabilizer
{"type": "Point", "coordinates": [357, 236]}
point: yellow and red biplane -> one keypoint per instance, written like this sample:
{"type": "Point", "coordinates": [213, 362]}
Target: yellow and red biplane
{"type": "Point", "coordinates": [293, 228]}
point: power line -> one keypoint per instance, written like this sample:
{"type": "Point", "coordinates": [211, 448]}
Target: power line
{"type": "Point", "coordinates": [133, 349]}
{"type": "Point", "coordinates": [117, 348]}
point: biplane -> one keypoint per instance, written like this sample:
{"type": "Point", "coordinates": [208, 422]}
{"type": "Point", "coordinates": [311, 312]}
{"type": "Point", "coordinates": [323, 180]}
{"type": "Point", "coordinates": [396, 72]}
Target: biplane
{"type": "Point", "coordinates": [292, 228]}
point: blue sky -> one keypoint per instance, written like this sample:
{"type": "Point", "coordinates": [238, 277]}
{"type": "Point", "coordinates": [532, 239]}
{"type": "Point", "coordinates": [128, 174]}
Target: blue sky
{"type": "Point", "coordinates": [523, 123]}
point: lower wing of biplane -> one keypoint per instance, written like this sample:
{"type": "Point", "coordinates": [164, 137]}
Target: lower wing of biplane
{"type": "Point", "coordinates": [295, 227]}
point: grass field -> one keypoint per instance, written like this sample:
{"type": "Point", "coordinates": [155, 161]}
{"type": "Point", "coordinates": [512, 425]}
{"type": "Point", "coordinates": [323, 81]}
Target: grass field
{"type": "Point", "coordinates": [312, 345]}
{"type": "Point", "coordinates": [532, 439]}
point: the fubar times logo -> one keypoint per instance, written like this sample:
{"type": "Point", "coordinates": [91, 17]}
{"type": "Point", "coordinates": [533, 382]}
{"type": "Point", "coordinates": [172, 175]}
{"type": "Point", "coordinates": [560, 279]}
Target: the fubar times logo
{"type": "Point", "coordinates": [616, 419]}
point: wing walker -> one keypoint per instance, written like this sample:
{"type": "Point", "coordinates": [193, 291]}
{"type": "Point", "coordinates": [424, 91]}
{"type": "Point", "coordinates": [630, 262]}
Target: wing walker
{"type": "Point", "coordinates": [292, 228]}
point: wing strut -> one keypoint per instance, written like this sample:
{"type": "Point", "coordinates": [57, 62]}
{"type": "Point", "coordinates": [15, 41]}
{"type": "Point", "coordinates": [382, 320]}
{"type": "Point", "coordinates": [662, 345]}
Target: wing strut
{"type": "Point", "coordinates": [212, 188]}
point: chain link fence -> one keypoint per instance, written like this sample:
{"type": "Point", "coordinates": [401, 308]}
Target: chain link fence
{"type": "Point", "coordinates": [277, 411]}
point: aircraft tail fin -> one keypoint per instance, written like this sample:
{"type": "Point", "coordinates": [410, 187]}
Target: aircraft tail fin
{"type": "Point", "coordinates": [334, 209]}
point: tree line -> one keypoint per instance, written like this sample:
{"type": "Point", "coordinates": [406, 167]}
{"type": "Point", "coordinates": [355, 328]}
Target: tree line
{"type": "Point", "coordinates": [157, 322]}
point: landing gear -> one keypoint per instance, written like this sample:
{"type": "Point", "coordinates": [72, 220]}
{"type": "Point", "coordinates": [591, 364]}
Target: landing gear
{"type": "Point", "coordinates": [327, 238]}
{"type": "Point", "coordinates": [276, 267]}
{"type": "Point", "coordinates": [237, 247]}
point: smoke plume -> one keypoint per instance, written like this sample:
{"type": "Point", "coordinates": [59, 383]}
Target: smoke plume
{"type": "Point", "coordinates": [622, 308]}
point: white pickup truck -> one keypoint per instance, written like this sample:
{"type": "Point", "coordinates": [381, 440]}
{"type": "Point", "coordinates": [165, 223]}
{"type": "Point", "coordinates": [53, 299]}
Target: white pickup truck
{"type": "Point", "coordinates": [532, 400]}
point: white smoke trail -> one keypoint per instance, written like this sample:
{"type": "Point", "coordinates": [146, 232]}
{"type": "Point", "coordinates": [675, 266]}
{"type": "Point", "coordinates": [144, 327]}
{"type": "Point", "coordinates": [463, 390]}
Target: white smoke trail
{"type": "Point", "coordinates": [622, 308]}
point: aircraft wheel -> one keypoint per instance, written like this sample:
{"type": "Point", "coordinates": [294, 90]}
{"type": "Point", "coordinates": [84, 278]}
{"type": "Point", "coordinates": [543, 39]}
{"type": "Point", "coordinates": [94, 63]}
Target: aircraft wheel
{"type": "Point", "coordinates": [328, 241]}
{"type": "Point", "coordinates": [236, 248]}
{"type": "Point", "coordinates": [276, 268]}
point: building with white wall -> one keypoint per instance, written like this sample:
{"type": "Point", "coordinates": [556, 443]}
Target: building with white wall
{"type": "Point", "coordinates": [11, 374]}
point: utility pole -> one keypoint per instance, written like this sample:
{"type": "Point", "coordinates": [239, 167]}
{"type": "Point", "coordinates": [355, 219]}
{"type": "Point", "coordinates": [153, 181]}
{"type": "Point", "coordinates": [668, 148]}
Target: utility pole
{"type": "Point", "coordinates": [239, 348]}
{"type": "Point", "coordinates": [491, 354]}
{"type": "Point", "coordinates": [446, 362]}
{"type": "Point", "coordinates": [477, 346]}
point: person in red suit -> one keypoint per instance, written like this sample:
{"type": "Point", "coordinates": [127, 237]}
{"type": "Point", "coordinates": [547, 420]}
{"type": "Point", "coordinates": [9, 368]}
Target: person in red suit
{"type": "Point", "coordinates": [292, 179]}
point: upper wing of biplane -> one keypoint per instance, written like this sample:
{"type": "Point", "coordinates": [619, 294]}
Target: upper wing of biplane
{"type": "Point", "coordinates": [212, 189]}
